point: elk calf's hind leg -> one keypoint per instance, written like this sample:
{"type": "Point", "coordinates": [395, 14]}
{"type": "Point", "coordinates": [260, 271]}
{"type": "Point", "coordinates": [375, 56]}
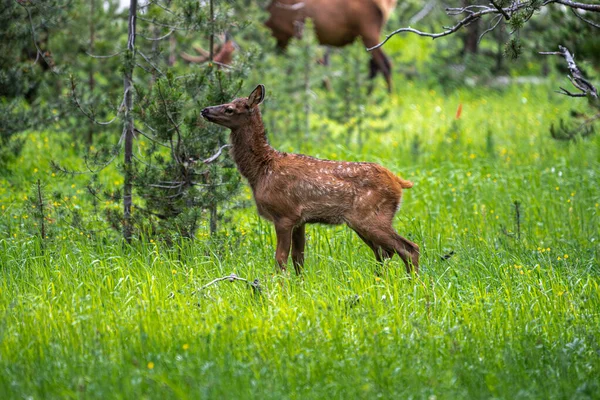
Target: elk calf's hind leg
{"type": "Point", "coordinates": [298, 242]}
{"type": "Point", "coordinates": [405, 245]}
{"type": "Point", "coordinates": [387, 242]}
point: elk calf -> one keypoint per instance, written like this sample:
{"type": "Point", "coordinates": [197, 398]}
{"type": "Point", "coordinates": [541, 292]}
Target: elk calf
{"type": "Point", "coordinates": [292, 190]}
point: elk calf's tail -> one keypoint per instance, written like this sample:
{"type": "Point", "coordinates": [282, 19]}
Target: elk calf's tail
{"type": "Point", "coordinates": [404, 183]}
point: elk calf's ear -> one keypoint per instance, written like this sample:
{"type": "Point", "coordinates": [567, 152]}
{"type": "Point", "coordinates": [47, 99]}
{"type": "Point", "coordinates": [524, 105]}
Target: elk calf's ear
{"type": "Point", "coordinates": [257, 96]}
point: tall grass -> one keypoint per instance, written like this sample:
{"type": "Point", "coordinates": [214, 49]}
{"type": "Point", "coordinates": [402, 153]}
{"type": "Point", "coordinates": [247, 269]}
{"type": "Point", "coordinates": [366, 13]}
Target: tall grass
{"type": "Point", "coordinates": [499, 310]}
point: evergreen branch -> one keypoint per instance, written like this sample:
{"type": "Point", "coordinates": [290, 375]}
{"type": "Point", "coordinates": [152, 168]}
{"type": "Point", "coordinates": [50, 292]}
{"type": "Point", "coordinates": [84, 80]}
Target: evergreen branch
{"type": "Point", "coordinates": [88, 115]}
{"type": "Point", "coordinates": [117, 150]}
{"type": "Point", "coordinates": [144, 68]}
{"type": "Point", "coordinates": [39, 52]}
{"type": "Point", "coordinates": [174, 153]}
{"type": "Point", "coordinates": [163, 24]}
{"type": "Point", "coordinates": [156, 3]}
{"type": "Point", "coordinates": [152, 139]}
{"type": "Point", "coordinates": [151, 64]}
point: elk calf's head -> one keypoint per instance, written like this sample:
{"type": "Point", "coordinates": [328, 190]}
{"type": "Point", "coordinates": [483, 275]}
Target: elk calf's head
{"type": "Point", "coordinates": [292, 190]}
{"type": "Point", "coordinates": [238, 113]}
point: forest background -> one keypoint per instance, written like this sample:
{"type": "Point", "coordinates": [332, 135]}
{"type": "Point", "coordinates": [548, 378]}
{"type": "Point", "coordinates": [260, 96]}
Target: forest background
{"type": "Point", "coordinates": [119, 204]}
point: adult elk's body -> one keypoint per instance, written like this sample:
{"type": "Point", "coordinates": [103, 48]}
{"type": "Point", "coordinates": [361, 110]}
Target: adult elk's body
{"type": "Point", "coordinates": [292, 190]}
{"type": "Point", "coordinates": [337, 23]}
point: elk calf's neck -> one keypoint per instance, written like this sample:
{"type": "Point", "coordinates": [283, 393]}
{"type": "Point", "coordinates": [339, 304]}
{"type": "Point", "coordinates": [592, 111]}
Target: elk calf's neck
{"type": "Point", "coordinates": [292, 190]}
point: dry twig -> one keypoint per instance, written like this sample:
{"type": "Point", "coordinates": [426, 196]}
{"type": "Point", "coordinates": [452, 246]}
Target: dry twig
{"type": "Point", "coordinates": [255, 285]}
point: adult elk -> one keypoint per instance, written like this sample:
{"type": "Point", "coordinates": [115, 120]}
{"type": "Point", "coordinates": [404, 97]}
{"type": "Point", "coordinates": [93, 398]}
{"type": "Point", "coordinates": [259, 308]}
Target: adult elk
{"type": "Point", "coordinates": [337, 23]}
{"type": "Point", "coordinates": [292, 190]}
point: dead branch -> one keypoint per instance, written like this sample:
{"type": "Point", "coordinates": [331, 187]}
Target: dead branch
{"type": "Point", "coordinates": [587, 21]}
{"type": "Point", "coordinates": [255, 285]}
{"type": "Point", "coordinates": [157, 38]}
{"type": "Point", "coordinates": [422, 13]}
{"type": "Point", "coordinates": [216, 155]}
{"type": "Point", "coordinates": [576, 77]}
{"type": "Point", "coordinates": [581, 6]}
{"type": "Point", "coordinates": [108, 56]}
{"type": "Point", "coordinates": [472, 13]}
{"type": "Point", "coordinates": [491, 28]}
{"type": "Point", "coordinates": [291, 7]}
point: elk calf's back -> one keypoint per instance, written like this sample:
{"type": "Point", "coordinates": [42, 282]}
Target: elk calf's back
{"type": "Point", "coordinates": [293, 189]}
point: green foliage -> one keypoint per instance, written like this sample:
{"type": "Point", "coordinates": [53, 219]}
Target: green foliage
{"type": "Point", "coordinates": [351, 102]}
{"type": "Point", "coordinates": [513, 48]}
{"type": "Point", "coordinates": [502, 317]}
{"type": "Point", "coordinates": [174, 182]}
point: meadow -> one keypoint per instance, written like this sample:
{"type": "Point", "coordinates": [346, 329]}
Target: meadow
{"type": "Point", "coordinates": [506, 305]}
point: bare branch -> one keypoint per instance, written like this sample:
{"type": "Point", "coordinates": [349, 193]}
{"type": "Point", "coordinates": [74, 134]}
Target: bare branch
{"type": "Point", "coordinates": [472, 16]}
{"type": "Point", "coordinates": [108, 56]}
{"type": "Point", "coordinates": [501, 10]}
{"type": "Point", "coordinates": [576, 77]}
{"type": "Point", "coordinates": [491, 28]}
{"type": "Point", "coordinates": [291, 7]}
{"type": "Point", "coordinates": [581, 6]}
{"type": "Point", "coordinates": [587, 21]}
{"type": "Point", "coordinates": [423, 13]}
{"type": "Point", "coordinates": [158, 38]}
{"type": "Point", "coordinates": [474, 12]}
{"type": "Point", "coordinates": [216, 155]}
{"type": "Point", "coordinates": [255, 285]}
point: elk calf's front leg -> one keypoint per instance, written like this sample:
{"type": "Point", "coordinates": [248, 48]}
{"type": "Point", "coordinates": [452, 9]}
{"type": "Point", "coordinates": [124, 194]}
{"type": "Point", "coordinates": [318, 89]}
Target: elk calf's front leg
{"type": "Point", "coordinates": [284, 241]}
{"type": "Point", "coordinates": [298, 242]}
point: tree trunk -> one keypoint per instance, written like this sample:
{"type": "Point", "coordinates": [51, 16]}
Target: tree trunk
{"type": "Point", "coordinates": [471, 37]}
{"type": "Point", "coordinates": [129, 122]}
{"type": "Point", "coordinates": [91, 80]}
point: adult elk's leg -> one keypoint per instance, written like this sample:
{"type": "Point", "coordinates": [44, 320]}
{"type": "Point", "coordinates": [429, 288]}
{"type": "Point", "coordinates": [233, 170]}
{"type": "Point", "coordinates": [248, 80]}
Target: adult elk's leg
{"type": "Point", "coordinates": [283, 229]}
{"type": "Point", "coordinates": [298, 242]}
{"type": "Point", "coordinates": [379, 61]}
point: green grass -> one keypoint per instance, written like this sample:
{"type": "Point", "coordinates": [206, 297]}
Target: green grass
{"type": "Point", "coordinates": [504, 317]}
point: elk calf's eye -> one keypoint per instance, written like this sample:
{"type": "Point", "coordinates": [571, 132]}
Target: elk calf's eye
{"type": "Point", "coordinates": [229, 111]}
